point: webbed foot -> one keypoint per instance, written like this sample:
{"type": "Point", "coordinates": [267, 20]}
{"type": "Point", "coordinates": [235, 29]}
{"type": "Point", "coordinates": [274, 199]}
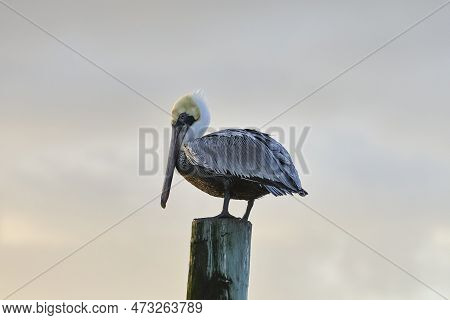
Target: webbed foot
{"type": "Point", "coordinates": [224, 215]}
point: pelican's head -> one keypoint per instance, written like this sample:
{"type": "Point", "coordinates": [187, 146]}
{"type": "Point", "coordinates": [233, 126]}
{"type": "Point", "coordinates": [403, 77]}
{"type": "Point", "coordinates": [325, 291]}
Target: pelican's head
{"type": "Point", "coordinates": [190, 119]}
{"type": "Point", "coordinates": [191, 110]}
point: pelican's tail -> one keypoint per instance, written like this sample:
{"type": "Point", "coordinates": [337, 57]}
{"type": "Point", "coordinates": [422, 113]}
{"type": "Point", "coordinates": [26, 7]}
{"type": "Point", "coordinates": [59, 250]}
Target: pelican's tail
{"type": "Point", "coordinates": [303, 193]}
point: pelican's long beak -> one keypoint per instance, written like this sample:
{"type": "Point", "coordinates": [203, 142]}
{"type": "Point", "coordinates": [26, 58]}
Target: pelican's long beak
{"type": "Point", "coordinates": [178, 133]}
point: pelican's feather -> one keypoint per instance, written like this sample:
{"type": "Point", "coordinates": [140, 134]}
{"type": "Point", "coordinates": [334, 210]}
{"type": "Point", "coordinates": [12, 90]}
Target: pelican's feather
{"type": "Point", "coordinates": [248, 154]}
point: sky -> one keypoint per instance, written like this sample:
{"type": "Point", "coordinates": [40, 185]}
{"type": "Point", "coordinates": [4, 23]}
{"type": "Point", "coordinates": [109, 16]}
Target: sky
{"type": "Point", "coordinates": [73, 98]}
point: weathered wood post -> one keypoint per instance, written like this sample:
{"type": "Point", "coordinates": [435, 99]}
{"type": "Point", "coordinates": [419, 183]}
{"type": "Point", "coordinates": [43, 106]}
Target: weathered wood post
{"type": "Point", "coordinates": [220, 259]}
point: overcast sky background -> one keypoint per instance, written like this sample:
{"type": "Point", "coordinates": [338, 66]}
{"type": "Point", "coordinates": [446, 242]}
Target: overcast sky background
{"type": "Point", "coordinates": [377, 152]}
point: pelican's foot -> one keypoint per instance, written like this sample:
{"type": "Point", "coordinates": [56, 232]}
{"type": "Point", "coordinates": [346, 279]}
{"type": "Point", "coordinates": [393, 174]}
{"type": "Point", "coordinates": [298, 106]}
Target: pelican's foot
{"type": "Point", "coordinates": [225, 215]}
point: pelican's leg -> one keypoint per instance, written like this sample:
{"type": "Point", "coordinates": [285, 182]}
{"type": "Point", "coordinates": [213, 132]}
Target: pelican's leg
{"type": "Point", "coordinates": [249, 208]}
{"type": "Point", "coordinates": [226, 202]}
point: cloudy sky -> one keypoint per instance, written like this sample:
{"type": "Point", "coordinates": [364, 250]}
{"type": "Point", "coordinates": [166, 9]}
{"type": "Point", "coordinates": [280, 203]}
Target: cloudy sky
{"type": "Point", "coordinates": [377, 153]}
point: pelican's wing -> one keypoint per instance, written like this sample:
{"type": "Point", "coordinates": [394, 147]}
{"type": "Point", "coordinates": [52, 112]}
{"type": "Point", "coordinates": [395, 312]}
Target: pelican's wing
{"type": "Point", "coordinates": [247, 154]}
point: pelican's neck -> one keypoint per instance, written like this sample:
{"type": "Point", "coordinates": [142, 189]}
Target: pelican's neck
{"type": "Point", "coordinates": [199, 127]}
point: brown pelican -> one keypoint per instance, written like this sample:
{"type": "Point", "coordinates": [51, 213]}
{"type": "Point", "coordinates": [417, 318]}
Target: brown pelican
{"type": "Point", "coordinates": [241, 164]}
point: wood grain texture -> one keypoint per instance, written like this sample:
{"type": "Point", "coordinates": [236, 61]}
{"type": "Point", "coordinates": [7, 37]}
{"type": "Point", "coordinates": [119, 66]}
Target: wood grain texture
{"type": "Point", "coordinates": [219, 263]}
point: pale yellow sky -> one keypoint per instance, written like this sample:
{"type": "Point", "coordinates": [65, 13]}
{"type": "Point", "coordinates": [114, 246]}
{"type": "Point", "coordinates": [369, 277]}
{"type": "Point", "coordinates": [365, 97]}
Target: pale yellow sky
{"type": "Point", "coordinates": [377, 151]}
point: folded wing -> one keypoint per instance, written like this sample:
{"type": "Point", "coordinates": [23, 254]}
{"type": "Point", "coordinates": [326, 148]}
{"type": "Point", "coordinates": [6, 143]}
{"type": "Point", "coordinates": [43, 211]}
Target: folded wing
{"type": "Point", "coordinates": [248, 154]}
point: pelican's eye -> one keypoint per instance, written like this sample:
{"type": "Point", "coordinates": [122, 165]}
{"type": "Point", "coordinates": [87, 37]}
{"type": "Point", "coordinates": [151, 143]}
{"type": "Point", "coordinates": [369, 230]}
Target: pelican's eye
{"type": "Point", "coordinates": [185, 118]}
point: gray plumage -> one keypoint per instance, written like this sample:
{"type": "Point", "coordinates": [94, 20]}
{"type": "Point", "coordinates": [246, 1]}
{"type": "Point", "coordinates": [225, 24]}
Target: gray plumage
{"type": "Point", "coordinates": [246, 154]}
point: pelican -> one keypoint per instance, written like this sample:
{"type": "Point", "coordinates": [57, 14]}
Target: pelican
{"type": "Point", "coordinates": [240, 164]}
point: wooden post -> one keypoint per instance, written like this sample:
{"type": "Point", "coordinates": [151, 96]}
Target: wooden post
{"type": "Point", "coordinates": [220, 259]}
